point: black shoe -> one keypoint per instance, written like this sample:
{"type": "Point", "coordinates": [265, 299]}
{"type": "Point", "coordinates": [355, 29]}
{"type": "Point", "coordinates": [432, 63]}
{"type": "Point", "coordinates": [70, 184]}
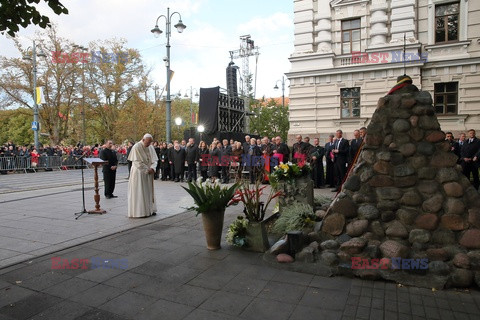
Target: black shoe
{"type": "Point", "coordinates": [112, 196]}
{"type": "Point", "coordinates": [154, 213]}
{"type": "Point", "coordinates": [108, 197]}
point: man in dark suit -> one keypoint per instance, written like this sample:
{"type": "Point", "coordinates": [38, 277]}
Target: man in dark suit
{"type": "Point", "coordinates": [468, 152]}
{"type": "Point", "coordinates": [340, 151]}
{"type": "Point", "coordinates": [460, 143]}
{"type": "Point", "coordinates": [192, 159]}
{"type": "Point", "coordinates": [226, 153]}
{"type": "Point", "coordinates": [355, 144]}
{"type": "Point", "coordinates": [109, 169]}
{"type": "Point", "coordinates": [316, 155]}
{"type": "Point", "coordinates": [330, 170]}
{"type": "Point", "coordinates": [451, 140]}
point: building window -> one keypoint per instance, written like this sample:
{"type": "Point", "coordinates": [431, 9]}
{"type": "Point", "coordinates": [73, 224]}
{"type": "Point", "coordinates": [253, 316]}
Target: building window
{"type": "Point", "coordinates": [350, 102]}
{"type": "Point", "coordinates": [350, 36]}
{"type": "Point", "coordinates": [446, 98]}
{"type": "Point", "coordinates": [446, 22]}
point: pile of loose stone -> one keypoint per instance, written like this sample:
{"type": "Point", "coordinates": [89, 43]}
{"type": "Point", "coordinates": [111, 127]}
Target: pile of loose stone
{"type": "Point", "coordinates": [406, 198]}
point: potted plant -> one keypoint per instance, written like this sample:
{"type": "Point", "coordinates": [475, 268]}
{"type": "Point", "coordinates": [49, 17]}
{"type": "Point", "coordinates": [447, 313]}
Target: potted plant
{"type": "Point", "coordinates": [253, 234]}
{"type": "Point", "coordinates": [294, 181]}
{"type": "Point", "coordinates": [210, 200]}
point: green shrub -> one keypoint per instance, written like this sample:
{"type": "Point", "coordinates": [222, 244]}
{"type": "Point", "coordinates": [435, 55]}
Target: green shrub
{"type": "Point", "coordinates": [321, 200]}
{"type": "Point", "coordinates": [296, 216]}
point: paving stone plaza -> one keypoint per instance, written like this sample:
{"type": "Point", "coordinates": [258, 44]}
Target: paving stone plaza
{"type": "Point", "coordinates": [170, 274]}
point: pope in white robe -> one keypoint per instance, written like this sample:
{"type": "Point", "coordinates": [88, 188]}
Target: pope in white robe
{"type": "Point", "coordinates": [141, 197]}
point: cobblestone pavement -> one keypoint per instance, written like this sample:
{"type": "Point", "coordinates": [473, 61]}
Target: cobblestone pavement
{"type": "Point", "coordinates": [171, 275]}
{"type": "Point", "coordinates": [37, 211]}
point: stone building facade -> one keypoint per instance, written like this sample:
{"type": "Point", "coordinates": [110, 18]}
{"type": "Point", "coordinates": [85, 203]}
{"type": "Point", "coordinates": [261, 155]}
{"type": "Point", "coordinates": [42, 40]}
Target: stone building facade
{"type": "Point", "coordinates": [348, 53]}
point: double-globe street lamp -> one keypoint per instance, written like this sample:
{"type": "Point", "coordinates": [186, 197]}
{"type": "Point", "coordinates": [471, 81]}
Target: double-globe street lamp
{"type": "Point", "coordinates": [283, 89]}
{"type": "Point", "coordinates": [83, 49]}
{"type": "Point", "coordinates": [35, 124]}
{"type": "Point", "coordinates": [157, 32]}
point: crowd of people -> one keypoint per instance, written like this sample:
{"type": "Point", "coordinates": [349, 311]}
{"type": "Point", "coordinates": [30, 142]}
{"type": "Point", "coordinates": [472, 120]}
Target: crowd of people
{"type": "Point", "coordinates": [15, 157]}
{"type": "Point", "coordinates": [184, 160]}
{"type": "Point", "coordinates": [226, 159]}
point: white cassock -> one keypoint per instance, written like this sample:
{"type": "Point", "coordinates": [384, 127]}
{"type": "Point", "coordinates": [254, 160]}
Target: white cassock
{"type": "Point", "coordinates": [141, 199]}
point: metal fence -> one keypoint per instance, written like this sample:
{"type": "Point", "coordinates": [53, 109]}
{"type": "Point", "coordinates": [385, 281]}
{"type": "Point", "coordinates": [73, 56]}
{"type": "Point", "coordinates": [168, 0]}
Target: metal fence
{"type": "Point", "coordinates": [25, 164]}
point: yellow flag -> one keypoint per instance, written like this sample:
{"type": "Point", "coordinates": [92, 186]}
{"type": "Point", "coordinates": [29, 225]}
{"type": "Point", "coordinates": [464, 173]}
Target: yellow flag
{"type": "Point", "coordinates": [40, 96]}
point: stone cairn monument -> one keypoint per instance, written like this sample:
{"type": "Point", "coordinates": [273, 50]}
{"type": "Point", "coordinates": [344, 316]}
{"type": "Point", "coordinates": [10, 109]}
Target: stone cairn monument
{"type": "Point", "coordinates": [406, 198]}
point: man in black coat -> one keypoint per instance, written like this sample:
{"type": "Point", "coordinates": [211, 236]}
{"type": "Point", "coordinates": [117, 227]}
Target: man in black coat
{"type": "Point", "coordinates": [109, 169]}
{"type": "Point", "coordinates": [330, 170]}
{"type": "Point", "coordinates": [246, 144]}
{"type": "Point", "coordinates": [340, 152]}
{"type": "Point", "coordinates": [460, 143]}
{"type": "Point", "coordinates": [192, 159]}
{"type": "Point", "coordinates": [468, 152]}
{"type": "Point", "coordinates": [129, 148]}
{"type": "Point", "coordinates": [355, 144]}
{"type": "Point", "coordinates": [282, 148]}
{"type": "Point", "coordinates": [316, 155]}
{"type": "Point", "coordinates": [226, 153]}
{"type": "Point", "coordinates": [178, 162]}
{"type": "Point", "coordinates": [300, 150]}
{"type": "Point", "coordinates": [451, 140]}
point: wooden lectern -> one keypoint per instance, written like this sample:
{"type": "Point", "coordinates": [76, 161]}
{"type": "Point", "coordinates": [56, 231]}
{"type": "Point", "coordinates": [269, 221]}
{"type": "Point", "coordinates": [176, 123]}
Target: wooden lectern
{"type": "Point", "coordinates": [96, 162]}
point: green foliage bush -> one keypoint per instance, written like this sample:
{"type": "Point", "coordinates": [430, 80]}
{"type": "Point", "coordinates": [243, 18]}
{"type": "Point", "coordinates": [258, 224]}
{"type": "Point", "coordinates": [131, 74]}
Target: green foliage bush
{"type": "Point", "coordinates": [296, 216]}
{"type": "Point", "coordinates": [321, 200]}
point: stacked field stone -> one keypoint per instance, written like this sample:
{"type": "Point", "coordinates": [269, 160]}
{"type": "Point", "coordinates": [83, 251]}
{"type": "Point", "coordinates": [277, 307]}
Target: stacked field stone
{"type": "Point", "coordinates": [407, 197]}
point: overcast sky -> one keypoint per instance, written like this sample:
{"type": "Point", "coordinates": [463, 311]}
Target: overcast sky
{"type": "Point", "coordinates": [200, 54]}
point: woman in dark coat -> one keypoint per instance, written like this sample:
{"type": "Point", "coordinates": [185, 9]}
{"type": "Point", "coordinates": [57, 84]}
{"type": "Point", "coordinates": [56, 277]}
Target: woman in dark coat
{"type": "Point", "coordinates": [157, 148]}
{"type": "Point", "coordinates": [214, 160]}
{"type": "Point", "coordinates": [237, 154]}
{"type": "Point", "coordinates": [163, 160]}
{"type": "Point", "coordinates": [203, 159]}
{"type": "Point", "coordinates": [170, 161]}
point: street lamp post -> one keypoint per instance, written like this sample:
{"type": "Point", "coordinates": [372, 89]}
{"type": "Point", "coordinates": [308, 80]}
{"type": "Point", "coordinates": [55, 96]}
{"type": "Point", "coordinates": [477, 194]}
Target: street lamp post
{"type": "Point", "coordinates": [156, 31]}
{"type": "Point", "coordinates": [283, 89]}
{"type": "Point", "coordinates": [201, 129]}
{"type": "Point", "coordinates": [35, 128]}
{"type": "Point", "coordinates": [83, 49]}
{"type": "Point", "coordinates": [191, 101]}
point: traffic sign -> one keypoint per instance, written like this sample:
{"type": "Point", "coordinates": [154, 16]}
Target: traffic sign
{"type": "Point", "coordinates": [35, 125]}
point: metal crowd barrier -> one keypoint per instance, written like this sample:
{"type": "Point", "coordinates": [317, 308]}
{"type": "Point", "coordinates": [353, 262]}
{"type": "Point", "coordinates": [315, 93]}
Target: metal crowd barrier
{"type": "Point", "coordinates": [122, 158]}
{"type": "Point", "coordinates": [8, 164]}
{"type": "Point", "coordinates": [15, 164]}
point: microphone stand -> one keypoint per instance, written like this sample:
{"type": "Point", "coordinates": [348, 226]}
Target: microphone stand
{"type": "Point", "coordinates": [79, 214]}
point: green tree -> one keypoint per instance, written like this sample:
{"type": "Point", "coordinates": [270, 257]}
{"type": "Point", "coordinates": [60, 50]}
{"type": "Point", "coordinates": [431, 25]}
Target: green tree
{"type": "Point", "coordinates": [270, 119]}
{"type": "Point", "coordinates": [16, 126]}
{"type": "Point", "coordinates": [18, 12]}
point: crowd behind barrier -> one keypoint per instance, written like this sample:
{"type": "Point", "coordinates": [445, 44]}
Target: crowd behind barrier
{"type": "Point", "coordinates": [27, 159]}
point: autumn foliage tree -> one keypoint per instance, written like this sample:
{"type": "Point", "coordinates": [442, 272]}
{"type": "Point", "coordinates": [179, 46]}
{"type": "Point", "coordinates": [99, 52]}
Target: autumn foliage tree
{"type": "Point", "coordinates": [105, 89]}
